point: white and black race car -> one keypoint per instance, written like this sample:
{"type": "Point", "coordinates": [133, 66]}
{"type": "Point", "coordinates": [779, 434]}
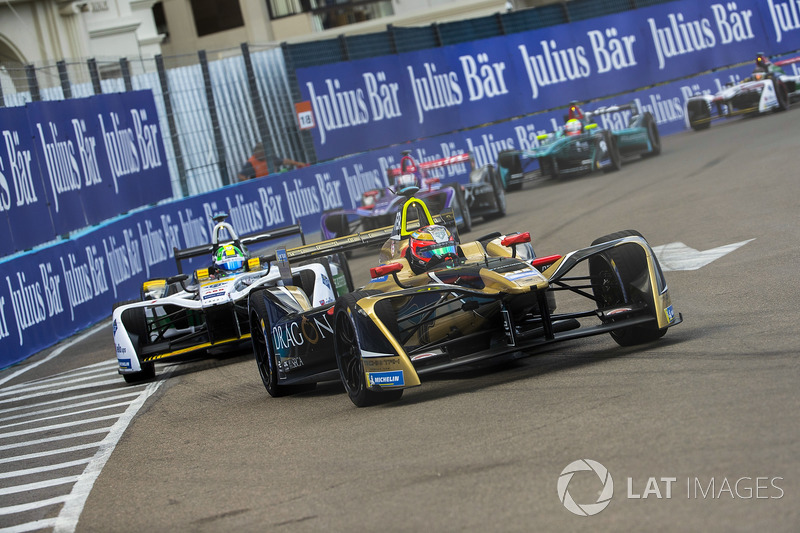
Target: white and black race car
{"type": "Point", "coordinates": [206, 313]}
{"type": "Point", "coordinates": [769, 88]}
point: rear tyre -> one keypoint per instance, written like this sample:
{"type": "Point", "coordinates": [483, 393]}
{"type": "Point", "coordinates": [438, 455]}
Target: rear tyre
{"type": "Point", "coordinates": [499, 196]}
{"type": "Point", "coordinates": [461, 208]}
{"type": "Point", "coordinates": [348, 355]}
{"type": "Point", "coordinates": [620, 276]}
{"type": "Point", "coordinates": [136, 324]}
{"type": "Point", "coordinates": [782, 94]}
{"type": "Point", "coordinates": [513, 164]}
{"type": "Point", "coordinates": [613, 152]}
{"type": "Point", "coordinates": [338, 225]}
{"type": "Point", "coordinates": [652, 135]}
{"type": "Point", "coordinates": [265, 359]}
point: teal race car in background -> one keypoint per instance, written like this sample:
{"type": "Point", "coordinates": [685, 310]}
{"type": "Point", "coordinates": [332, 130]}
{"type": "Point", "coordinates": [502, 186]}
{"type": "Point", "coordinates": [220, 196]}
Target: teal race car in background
{"type": "Point", "coordinates": [582, 146]}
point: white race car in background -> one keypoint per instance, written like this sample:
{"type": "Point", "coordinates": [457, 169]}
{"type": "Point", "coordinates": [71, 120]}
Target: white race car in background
{"type": "Point", "coordinates": [769, 88]}
{"type": "Point", "coordinates": [206, 313]}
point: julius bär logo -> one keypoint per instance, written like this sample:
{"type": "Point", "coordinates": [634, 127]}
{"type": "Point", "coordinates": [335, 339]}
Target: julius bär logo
{"type": "Point", "coordinates": [585, 509]}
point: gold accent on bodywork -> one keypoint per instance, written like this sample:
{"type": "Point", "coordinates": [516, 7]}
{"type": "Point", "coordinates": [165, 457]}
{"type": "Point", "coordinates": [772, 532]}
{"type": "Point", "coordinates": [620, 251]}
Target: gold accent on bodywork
{"type": "Point", "coordinates": [195, 348]}
{"type": "Point", "coordinates": [473, 251]}
{"type": "Point", "coordinates": [403, 362]}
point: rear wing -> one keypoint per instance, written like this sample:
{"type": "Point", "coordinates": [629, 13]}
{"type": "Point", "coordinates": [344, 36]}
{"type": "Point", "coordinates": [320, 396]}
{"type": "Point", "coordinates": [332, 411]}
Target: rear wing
{"type": "Point", "coordinates": [784, 62]}
{"type": "Point", "coordinates": [438, 163]}
{"type": "Point", "coordinates": [633, 106]}
{"type": "Point", "coordinates": [354, 241]}
{"type": "Point", "coordinates": [253, 238]}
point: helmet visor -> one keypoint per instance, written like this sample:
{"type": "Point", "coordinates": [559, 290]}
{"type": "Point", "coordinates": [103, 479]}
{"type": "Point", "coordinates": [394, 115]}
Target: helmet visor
{"type": "Point", "coordinates": [435, 250]}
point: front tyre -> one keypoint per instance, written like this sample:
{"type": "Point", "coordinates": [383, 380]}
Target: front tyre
{"type": "Point", "coordinates": [615, 159]}
{"type": "Point", "coordinates": [652, 135]}
{"type": "Point", "coordinates": [135, 323]}
{"type": "Point", "coordinates": [348, 355]}
{"type": "Point", "coordinates": [699, 114]}
{"type": "Point", "coordinates": [782, 95]}
{"type": "Point", "coordinates": [620, 276]}
{"type": "Point", "coordinates": [265, 359]}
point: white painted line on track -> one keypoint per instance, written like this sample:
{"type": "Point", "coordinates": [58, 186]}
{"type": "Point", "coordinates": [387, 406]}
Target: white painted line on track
{"type": "Point", "coordinates": [71, 512]}
{"type": "Point", "coordinates": [77, 435]}
{"type": "Point", "coordinates": [62, 415]}
{"type": "Point", "coordinates": [37, 455]}
{"type": "Point", "coordinates": [114, 380]}
{"type": "Point", "coordinates": [40, 469]}
{"type": "Point", "coordinates": [31, 431]}
{"type": "Point", "coordinates": [30, 526]}
{"type": "Point", "coordinates": [14, 509]}
{"type": "Point", "coordinates": [39, 485]}
{"type": "Point", "coordinates": [57, 384]}
{"type": "Point", "coordinates": [58, 351]}
{"type": "Point", "coordinates": [66, 399]}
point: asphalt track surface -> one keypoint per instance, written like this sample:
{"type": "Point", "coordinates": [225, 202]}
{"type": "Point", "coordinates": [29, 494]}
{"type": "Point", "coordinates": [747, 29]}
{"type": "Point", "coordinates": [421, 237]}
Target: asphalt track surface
{"type": "Point", "coordinates": [713, 402]}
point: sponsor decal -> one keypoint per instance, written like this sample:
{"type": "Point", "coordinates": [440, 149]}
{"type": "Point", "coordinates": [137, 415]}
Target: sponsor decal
{"type": "Point", "coordinates": [670, 313]}
{"type": "Point", "coordinates": [520, 274]}
{"type": "Point", "coordinates": [293, 334]}
{"type": "Point", "coordinates": [125, 364]}
{"type": "Point", "coordinates": [387, 379]}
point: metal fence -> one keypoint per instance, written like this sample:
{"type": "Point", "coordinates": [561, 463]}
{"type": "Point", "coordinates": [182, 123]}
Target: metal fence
{"type": "Point", "coordinates": [216, 110]}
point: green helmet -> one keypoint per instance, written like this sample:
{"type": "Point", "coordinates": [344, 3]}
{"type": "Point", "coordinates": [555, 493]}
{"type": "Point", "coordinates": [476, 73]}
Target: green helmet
{"type": "Point", "coordinates": [229, 258]}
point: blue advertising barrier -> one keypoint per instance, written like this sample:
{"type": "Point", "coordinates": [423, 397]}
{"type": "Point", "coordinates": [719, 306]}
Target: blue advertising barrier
{"type": "Point", "coordinates": [376, 102]}
{"type": "Point", "coordinates": [65, 165]}
{"type": "Point", "coordinates": [52, 293]}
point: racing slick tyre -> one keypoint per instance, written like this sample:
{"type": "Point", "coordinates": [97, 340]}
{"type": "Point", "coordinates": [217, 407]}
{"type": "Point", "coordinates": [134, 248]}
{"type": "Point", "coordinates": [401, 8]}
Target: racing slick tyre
{"type": "Point", "coordinates": [613, 152]}
{"type": "Point", "coordinates": [460, 207]}
{"type": "Point", "coordinates": [499, 195]}
{"type": "Point", "coordinates": [699, 114]}
{"type": "Point", "coordinates": [136, 324]}
{"type": "Point", "coordinates": [620, 276]}
{"type": "Point", "coordinates": [548, 166]}
{"type": "Point", "coordinates": [782, 95]}
{"type": "Point", "coordinates": [513, 165]}
{"type": "Point", "coordinates": [348, 351]}
{"type": "Point", "coordinates": [652, 135]}
{"type": "Point", "coordinates": [338, 225]}
{"type": "Point", "coordinates": [265, 358]}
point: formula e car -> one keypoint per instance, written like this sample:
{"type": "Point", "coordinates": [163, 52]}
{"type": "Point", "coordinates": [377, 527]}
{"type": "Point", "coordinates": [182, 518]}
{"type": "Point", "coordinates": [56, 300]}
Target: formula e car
{"type": "Point", "coordinates": [490, 298]}
{"type": "Point", "coordinates": [184, 316]}
{"type": "Point", "coordinates": [769, 88]}
{"type": "Point", "coordinates": [483, 196]}
{"type": "Point", "coordinates": [582, 146]}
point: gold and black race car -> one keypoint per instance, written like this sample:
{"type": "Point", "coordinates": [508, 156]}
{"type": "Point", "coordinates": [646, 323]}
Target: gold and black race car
{"type": "Point", "coordinates": [435, 303]}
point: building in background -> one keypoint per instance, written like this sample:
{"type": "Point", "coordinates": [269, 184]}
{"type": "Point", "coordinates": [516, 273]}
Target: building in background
{"type": "Point", "coordinates": [41, 32]}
